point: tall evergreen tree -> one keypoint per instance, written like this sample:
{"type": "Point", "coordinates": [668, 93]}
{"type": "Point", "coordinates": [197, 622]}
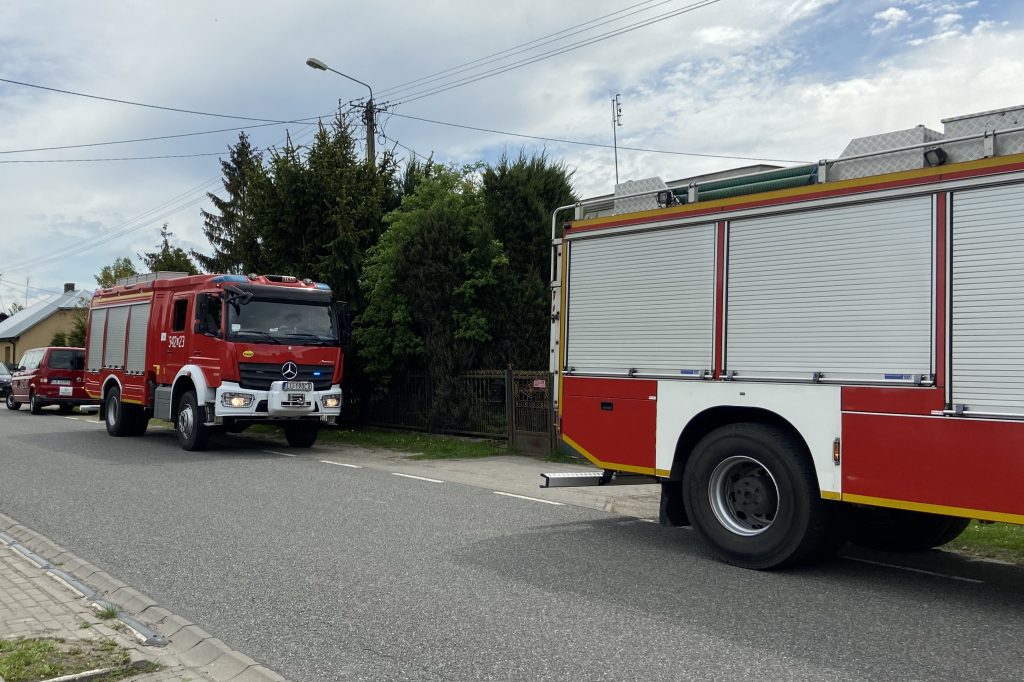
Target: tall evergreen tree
{"type": "Point", "coordinates": [519, 195]}
{"type": "Point", "coordinates": [231, 230]}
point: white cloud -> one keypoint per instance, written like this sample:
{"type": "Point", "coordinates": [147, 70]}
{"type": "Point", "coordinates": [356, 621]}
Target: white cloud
{"type": "Point", "coordinates": [888, 20]}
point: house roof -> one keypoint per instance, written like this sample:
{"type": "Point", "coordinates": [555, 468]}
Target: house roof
{"type": "Point", "coordinates": [23, 320]}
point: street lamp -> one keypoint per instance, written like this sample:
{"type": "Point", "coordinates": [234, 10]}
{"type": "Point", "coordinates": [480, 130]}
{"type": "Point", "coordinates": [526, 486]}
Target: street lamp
{"type": "Point", "coordinates": [368, 116]}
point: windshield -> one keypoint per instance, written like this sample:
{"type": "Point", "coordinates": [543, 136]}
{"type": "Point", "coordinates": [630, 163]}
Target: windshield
{"type": "Point", "coordinates": [4, 371]}
{"type": "Point", "coordinates": [67, 359]}
{"type": "Point", "coordinates": [278, 321]}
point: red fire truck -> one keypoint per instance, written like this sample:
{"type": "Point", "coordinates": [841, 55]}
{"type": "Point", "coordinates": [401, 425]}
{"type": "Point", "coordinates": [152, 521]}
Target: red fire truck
{"type": "Point", "coordinates": [215, 353]}
{"type": "Point", "coordinates": [809, 355]}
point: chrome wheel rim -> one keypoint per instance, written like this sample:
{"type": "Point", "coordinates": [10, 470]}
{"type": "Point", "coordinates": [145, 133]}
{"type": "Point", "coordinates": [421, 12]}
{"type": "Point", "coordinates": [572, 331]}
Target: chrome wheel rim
{"type": "Point", "coordinates": [744, 495]}
{"type": "Point", "coordinates": [186, 421]}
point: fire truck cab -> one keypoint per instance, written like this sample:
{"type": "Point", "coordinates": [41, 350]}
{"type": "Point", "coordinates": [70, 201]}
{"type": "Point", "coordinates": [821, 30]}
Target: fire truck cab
{"type": "Point", "coordinates": [214, 353]}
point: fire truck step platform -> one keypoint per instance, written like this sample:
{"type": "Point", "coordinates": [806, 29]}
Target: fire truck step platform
{"type": "Point", "coordinates": [582, 478]}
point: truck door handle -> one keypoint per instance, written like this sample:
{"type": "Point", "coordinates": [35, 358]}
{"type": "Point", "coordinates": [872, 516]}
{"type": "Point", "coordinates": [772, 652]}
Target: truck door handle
{"type": "Point", "coordinates": [607, 406]}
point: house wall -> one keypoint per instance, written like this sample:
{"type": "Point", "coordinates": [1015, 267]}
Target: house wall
{"type": "Point", "coordinates": [11, 350]}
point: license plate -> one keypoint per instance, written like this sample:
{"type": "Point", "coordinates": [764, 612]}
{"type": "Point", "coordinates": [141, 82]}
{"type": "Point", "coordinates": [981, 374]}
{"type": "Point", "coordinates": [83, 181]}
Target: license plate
{"type": "Point", "coordinates": [65, 390]}
{"type": "Point", "coordinates": [61, 382]}
{"type": "Point", "coordinates": [298, 386]}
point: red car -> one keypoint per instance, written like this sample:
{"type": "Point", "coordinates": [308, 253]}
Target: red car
{"type": "Point", "coordinates": [49, 376]}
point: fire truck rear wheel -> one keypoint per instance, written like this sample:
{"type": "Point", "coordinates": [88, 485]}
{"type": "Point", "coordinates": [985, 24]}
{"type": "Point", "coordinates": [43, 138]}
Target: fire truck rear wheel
{"type": "Point", "coordinates": [899, 530]}
{"type": "Point", "coordinates": [301, 434]}
{"type": "Point", "coordinates": [12, 404]}
{"type": "Point", "coordinates": [751, 493]}
{"type": "Point", "coordinates": [188, 424]}
{"type": "Point", "coordinates": [115, 415]}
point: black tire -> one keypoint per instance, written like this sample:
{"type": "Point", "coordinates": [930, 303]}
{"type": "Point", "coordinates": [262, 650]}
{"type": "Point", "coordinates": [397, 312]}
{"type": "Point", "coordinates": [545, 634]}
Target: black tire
{"type": "Point", "coordinates": [11, 403]}
{"type": "Point", "coordinates": [35, 405]}
{"type": "Point", "coordinates": [116, 416]}
{"type": "Point", "coordinates": [140, 421]}
{"type": "Point", "coordinates": [900, 530]}
{"type": "Point", "coordinates": [751, 492]}
{"type": "Point", "coordinates": [193, 435]}
{"type": "Point", "coordinates": [64, 408]}
{"type": "Point", "coordinates": [301, 434]}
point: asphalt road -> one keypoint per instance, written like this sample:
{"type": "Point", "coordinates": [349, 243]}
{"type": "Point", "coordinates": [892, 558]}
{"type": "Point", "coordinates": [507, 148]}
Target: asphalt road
{"type": "Point", "coordinates": [327, 572]}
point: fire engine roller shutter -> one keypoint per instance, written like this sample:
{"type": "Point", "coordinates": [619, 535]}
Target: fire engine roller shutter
{"type": "Point", "coordinates": [138, 322]}
{"type": "Point", "coordinates": [117, 325]}
{"type": "Point", "coordinates": [642, 301]}
{"type": "Point", "coordinates": [843, 291]}
{"type": "Point", "coordinates": [96, 327]}
{"type": "Point", "coordinates": [988, 300]}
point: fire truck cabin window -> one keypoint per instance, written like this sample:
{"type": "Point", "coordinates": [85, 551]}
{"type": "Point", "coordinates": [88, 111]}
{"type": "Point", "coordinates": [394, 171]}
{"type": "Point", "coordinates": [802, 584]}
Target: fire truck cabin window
{"type": "Point", "coordinates": [180, 315]}
{"type": "Point", "coordinates": [284, 321]}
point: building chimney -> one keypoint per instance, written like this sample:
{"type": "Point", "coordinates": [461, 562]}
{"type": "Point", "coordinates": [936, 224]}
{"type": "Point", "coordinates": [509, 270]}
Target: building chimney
{"type": "Point", "coordinates": [69, 287]}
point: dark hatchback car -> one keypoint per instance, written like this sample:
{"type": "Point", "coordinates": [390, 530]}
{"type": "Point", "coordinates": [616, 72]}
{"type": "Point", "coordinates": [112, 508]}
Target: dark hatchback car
{"type": "Point", "coordinates": [5, 380]}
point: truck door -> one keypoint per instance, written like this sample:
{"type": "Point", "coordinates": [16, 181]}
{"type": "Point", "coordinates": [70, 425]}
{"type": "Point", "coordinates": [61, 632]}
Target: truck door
{"type": "Point", "coordinates": [177, 335]}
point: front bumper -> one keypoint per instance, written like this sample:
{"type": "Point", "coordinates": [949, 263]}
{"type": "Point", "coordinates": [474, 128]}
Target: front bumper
{"type": "Point", "coordinates": [277, 403]}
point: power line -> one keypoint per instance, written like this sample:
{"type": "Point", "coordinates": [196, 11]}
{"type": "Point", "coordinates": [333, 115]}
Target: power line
{"type": "Point", "coordinates": [120, 158]}
{"type": "Point", "coordinates": [159, 137]}
{"type": "Point", "coordinates": [553, 53]}
{"type": "Point", "coordinates": [595, 144]}
{"type": "Point", "coordinates": [140, 104]}
{"type": "Point", "coordinates": [22, 287]}
{"type": "Point", "coordinates": [518, 49]}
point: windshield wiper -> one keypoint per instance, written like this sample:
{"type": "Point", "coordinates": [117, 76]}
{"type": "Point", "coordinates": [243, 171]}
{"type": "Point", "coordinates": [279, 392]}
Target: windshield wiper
{"type": "Point", "coordinates": [317, 339]}
{"type": "Point", "coordinates": [267, 335]}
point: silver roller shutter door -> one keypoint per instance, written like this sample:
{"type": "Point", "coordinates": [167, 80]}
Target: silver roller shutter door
{"type": "Point", "coordinates": [138, 322]}
{"type": "Point", "coordinates": [117, 324]}
{"type": "Point", "coordinates": [97, 325]}
{"type": "Point", "coordinates": [642, 301]}
{"type": "Point", "coordinates": [988, 300]}
{"type": "Point", "coordinates": [842, 291]}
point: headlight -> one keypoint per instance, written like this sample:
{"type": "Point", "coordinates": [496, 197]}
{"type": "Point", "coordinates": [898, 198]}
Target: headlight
{"type": "Point", "coordinates": [236, 399]}
{"type": "Point", "coordinates": [332, 400]}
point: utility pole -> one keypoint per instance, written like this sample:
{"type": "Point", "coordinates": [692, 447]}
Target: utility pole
{"type": "Point", "coordinates": [616, 123]}
{"type": "Point", "coordinates": [371, 133]}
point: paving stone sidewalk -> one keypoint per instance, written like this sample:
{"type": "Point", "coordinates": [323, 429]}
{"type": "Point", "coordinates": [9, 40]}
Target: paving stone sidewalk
{"type": "Point", "coordinates": [35, 603]}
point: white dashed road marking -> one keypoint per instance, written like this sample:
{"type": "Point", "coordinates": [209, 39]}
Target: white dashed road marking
{"type": "Point", "coordinates": [531, 499]}
{"type": "Point", "coordinates": [418, 478]}
{"type": "Point", "coordinates": [283, 454]}
{"type": "Point", "coordinates": [916, 570]}
{"type": "Point", "coordinates": [340, 464]}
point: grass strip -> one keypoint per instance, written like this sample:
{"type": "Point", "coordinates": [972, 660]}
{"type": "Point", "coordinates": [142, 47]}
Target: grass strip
{"type": "Point", "coordinates": [424, 445]}
{"type": "Point", "coordinates": [1001, 541]}
{"type": "Point", "coordinates": [28, 659]}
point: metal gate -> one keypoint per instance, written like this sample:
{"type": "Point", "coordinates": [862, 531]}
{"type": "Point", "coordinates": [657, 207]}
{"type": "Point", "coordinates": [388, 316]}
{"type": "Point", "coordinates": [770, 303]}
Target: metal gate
{"type": "Point", "coordinates": [530, 428]}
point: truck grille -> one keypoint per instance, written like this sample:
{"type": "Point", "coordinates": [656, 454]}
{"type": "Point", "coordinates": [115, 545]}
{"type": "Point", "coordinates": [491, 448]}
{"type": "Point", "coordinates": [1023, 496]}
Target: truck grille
{"type": "Point", "coordinates": [258, 375]}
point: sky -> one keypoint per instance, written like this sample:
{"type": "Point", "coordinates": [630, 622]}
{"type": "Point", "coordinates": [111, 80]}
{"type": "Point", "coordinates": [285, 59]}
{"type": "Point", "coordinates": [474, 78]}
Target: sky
{"type": "Point", "coordinates": [720, 83]}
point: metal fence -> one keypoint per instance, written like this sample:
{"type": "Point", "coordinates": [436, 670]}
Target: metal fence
{"type": "Point", "coordinates": [505, 404]}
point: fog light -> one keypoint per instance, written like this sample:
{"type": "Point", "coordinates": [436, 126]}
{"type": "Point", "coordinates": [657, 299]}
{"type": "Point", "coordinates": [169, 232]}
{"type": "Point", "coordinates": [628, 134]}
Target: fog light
{"type": "Point", "coordinates": [236, 399]}
{"type": "Point", "coordinates": [333, 400]}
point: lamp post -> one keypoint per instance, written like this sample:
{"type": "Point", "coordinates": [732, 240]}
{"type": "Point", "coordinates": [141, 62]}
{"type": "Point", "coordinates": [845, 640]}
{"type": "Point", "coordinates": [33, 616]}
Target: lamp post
{"type": "Point", "coordinates": [368, 114]}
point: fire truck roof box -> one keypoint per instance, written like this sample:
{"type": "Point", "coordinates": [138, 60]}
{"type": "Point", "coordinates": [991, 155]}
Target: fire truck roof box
{"type": "Point", "coordinates": [149, 277]}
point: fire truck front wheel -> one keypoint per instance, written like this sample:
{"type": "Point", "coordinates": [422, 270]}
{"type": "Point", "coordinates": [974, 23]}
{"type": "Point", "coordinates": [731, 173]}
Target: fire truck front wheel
{"type": "Point", "coordinates": [301, 434]}
{"type": "Point", "coordinates": [751, 493]}
{"type": "Point", "coordinates": [188, 423]}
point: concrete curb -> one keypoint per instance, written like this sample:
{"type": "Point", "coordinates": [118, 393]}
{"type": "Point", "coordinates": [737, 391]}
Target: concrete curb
{"type": "Point", "coordinates": [191, 645]}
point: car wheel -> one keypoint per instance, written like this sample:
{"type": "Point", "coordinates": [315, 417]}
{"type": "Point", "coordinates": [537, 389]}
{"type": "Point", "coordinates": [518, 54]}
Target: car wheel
{"type": "Point", "coordinates": [301, 434]}
{"type": "Point", "coordinates": [751, 493]}
{"type": "Point", "coordinates": [188, 423]}
{"type": "Point", "coordinates": [35, 405]}
{"type": "Point", "coordinates": [12, 404]}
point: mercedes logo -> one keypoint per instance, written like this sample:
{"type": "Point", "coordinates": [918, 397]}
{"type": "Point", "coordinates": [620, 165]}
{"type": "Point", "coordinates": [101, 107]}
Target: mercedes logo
{"type": "Point", "coordinates": [289, 370]}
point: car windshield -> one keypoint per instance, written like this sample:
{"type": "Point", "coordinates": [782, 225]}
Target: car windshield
{"type": "Point", "coordinates": [67, 359]}
{"type": "Point", "coordinates": [281, 321]}
{"type": "Point", "coordinates": [4, 372]}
